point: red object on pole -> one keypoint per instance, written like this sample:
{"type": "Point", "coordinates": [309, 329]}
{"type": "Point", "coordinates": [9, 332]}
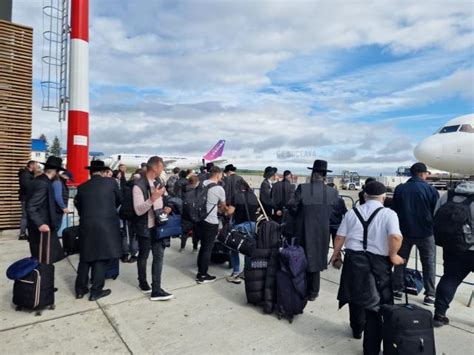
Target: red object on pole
{"type": "Point", "coordinates": [78, 116]}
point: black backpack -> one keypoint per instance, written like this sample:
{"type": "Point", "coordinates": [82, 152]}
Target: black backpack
{"type": "Point", "coordinates": [194, 204]}
{"type": "Point", "coordinates": [127, 212]}
{"type": "Point", "coordinates": [453, 228]}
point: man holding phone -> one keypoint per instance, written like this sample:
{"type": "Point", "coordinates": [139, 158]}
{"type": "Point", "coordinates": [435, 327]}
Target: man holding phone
{"type": "Point", "coordinates": [148, 197]}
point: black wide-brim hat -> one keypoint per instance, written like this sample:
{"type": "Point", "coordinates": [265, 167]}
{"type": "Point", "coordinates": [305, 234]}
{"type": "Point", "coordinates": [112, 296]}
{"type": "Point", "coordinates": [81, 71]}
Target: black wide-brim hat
{"type": "Point", "coordinates": [97, 165]}
{"type": "Point", "coordinates": [54, 163]}
{"type": "Point", "coordinates": [320, 166]}
{"type": "Point", "coordinates": [269, 172]}
{"type": "Point", "coordinates": [230, 167]}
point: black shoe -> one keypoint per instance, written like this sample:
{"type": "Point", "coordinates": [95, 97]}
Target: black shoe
{"type": "Point", "coordinates": [80, 295]}
{"type": "Point", "coordinates": [313, 297]}
{"type": "Point", "coordinates": [103, 293]}
{"type": "Point", "coordinates": [161, 295]}
{"type": "Point", "coordinates": [125, 258]}
{"type": "Point", "coordinates": [22, 237]}
{"type": "Point", "coordinates": [398, 295]}
{"type": "Point", "coordinates": [429, 301]}
{"type": "Point", "coordinates": [204, 279]}
{"type": "Point", "coordinates": [439, 320]}
{"type": "Point", "coordinates": [133, 259]}
{"type": "Point", "coordinates": [356, 335]}
{"type": "Point", "coordinates": [144, 287]}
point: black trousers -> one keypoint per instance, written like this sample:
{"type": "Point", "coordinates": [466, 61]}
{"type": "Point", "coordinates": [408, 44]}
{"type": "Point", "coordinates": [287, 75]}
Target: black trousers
{"type": "Point", "coordinates": [145, 245]}
{"type": "Point", "coordinates": [184, 239]}
{"type": "Point", "coordinates": [97, 275]}
{"type": "Point", "coordinates": [207, 234]}
{"type": "Point", "coordinates": [457, 267]}
{"type": "Point", "coordinates": [314, 281]}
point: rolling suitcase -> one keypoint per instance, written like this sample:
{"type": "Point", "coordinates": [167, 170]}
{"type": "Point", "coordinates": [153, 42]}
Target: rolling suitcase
{"type": "Point", "coordinates": [407, 329]}
{"type": "Point", "coordinates": [291, 282]}
{"type": "Point", "coordinates": [35, 291]}
{"type": "Point", "coordinates": [113, 269]}
{"type": "Point", "coordinates": [71, 240]}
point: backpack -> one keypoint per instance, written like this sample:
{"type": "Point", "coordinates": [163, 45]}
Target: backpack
{"type": "Point", "coordinates": [195, 202]}
{"type": "Point", "coordinates": [453, 224]}
{"type": "Point", "coordinates": [170, 184]}
{"type": "Point", "coordinates": [127, 212]}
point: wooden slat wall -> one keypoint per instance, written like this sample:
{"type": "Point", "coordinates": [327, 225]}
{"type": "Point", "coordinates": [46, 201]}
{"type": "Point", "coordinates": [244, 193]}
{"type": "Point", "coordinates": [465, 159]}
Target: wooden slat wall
{"type": "Point", "coordinates": [16, 53]}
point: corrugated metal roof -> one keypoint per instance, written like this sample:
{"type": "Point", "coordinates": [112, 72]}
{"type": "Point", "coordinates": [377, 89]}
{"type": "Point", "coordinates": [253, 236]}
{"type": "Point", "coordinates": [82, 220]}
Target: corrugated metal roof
{"type": "Point", "coordinates": [37, 145]}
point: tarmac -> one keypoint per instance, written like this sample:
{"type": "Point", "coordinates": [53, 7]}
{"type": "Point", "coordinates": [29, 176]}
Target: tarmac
{"type": "Point", "coordinates": [202, 319]}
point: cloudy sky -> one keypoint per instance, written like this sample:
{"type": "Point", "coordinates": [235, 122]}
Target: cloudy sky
{"type": "Point", "coordinates": [355, 82]}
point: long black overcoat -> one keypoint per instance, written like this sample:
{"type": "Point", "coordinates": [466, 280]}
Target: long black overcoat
{"type": "Point", "coordinates": [97, 201]}
{"type": "Point", "coordinates": [312, 205]}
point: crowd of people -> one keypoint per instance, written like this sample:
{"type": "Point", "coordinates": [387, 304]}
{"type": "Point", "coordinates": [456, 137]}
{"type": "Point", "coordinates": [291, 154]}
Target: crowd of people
{"type": "Point", "coordinates": [119, 217]}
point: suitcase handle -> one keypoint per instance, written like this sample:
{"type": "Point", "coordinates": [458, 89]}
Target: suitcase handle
{"type": "Point", "coordinates": [47, 247]}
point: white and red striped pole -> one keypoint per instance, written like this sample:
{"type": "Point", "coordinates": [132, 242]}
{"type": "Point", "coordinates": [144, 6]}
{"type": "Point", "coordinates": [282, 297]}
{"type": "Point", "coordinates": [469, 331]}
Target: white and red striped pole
{"type": "Point", "coordinates": [78, 117]}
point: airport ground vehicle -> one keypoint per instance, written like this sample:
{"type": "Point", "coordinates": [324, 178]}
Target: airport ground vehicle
{"type": "Point", "coordinates": [351, 180]}
{"type": "Point", "coordinates": [442, 180]}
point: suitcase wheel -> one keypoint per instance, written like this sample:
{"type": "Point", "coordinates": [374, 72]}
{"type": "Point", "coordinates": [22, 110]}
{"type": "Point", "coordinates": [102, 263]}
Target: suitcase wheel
{"type": "Point", "coordinates": [114, 278]}
{"type": "Point", "coordinates": [290, 320]}
{"type": "Point", "coordinates": [38, 313]}
{"type": "Point", "coordinates": [279, 316]}
{"type": "Point", "coordinates": [18, 309]}
{"type": "Point", "coordinates": [52, 307]}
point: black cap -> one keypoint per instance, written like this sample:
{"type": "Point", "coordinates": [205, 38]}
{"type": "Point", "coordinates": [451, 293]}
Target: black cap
{"type": "Point", "coordinates": [369, 180]}
{"type": "Point", "coordinates": [375, 188]}
{"type": "Point", "coordinates": [286, 173]}
{"type": "Point", "coordinates": [419, 168]}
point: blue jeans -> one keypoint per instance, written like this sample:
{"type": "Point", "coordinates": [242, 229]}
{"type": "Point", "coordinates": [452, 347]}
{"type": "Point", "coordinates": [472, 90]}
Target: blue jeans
{"type": "Point", "coordinates": [427, 248]}
{"type": "Point", "coordinates": [248, 228]}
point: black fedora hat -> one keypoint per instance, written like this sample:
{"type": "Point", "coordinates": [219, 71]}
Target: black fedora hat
{"type": "Point", "coordinates": [320, 166]}
{"type": "Point", "coordinates": [229, 167]}
{"type": "Point", "coordinates": [269, 172]}
{"type": "Point", "coordinates": [97, 165]}
{"type": "Point", "coordinates": [54, 163]}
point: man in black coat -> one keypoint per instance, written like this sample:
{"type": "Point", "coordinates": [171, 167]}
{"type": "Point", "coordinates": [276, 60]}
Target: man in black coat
{"type": "Point", "coordinates": [41, 212]}
{"type": "Point", "coordinates": [281, 193]}
{"type": "Point", "coordinates": [231, 182]}
{"type": "Point", "coordinates": [312, 206]}
{"type": "Point", "coordinates": [26, 176]}
{"type": "Point", "coordinates": [97, 201]}
{"type": "Point", "coordinates": [266, 190]}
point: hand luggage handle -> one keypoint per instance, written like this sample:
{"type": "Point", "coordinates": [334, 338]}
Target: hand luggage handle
{"type": "Point", "coordinates": [47, 247]}
{"type": "Point", "coordinates": [263, 209]}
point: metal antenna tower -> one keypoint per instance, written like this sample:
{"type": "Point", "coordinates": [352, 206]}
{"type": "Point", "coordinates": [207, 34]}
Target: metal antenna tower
{"type": "Point", "coordinates": [55, 55]}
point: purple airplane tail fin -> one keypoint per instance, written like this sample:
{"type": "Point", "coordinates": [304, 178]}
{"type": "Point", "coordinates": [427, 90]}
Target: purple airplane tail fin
{"type": "Point", "coordinates": [216, 151]}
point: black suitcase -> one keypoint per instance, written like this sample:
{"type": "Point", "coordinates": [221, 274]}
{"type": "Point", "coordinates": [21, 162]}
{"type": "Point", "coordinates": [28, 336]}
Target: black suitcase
{"type": "Point", "coordinates": [113, 269]}
{"type": "Point", "coordinates": [35, 291]}
{"type": "Point", "coordinates": [71, 240]}
{"type": "Point", "coordinates": [255, 272]}
{"type": "Point", "coordinates": [407, 329]}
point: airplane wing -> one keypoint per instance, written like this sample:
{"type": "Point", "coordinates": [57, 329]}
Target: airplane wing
{"type": "Point", "coordinates": [169, 161]}
{"type": "Point", "coordinates": [219, 161]}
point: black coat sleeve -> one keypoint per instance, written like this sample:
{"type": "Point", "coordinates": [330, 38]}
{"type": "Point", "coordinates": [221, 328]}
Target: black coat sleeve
{"type": "Point", "coordinates": [36, 202]}
{"type": "Point", "coordinates": [295, 201]}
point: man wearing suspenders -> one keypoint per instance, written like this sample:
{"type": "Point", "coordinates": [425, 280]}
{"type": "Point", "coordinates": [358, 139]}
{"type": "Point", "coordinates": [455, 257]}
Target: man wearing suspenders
{"type": "Point", "coordinates": [372, 237]}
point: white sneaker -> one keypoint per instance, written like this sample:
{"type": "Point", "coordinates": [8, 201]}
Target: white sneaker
{"type": "Point", "coordinates": [234, 278]}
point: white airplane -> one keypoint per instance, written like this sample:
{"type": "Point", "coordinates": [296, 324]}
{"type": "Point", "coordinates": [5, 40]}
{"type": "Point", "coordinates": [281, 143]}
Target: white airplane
{"type": "Point", "coordinates": [451, 148]}
{"type": "Point", "coordinates": [135, 160]}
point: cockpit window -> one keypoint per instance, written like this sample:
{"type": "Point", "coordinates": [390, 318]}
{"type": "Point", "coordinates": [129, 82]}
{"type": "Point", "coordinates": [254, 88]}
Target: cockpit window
{"type": "Point", "coordinates": [469, 128]}
{"type": "Point", "coordinates": [449, 129]}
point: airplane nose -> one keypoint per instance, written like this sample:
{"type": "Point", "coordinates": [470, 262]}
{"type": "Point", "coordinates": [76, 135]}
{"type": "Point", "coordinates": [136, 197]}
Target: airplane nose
{"type": "Point", "coordinates": [427, 151]}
